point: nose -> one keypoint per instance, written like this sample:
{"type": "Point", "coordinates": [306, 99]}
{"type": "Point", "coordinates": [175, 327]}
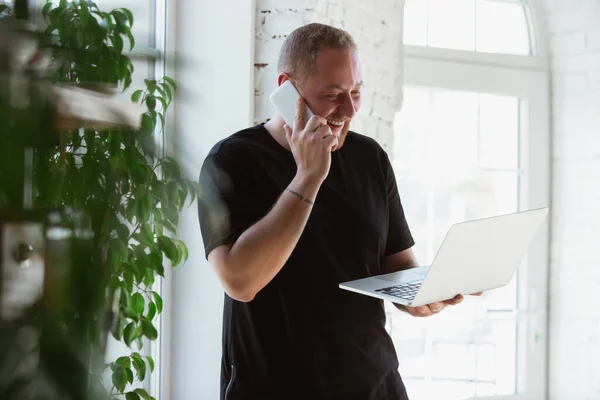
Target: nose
{"type": "Point", "coordinates": [349, 106]}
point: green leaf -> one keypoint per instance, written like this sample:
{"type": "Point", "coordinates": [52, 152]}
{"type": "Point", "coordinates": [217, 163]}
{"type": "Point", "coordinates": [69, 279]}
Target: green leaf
{"type": "Point", "coordinates": [149, 275]}
{"type": "Point", "coordinates": [128, 281]}
{"type": "Point", "coordinates": [128, 313]}
{"type": "Point", "coordinates": [123, 232]}
{"type": "Point", "coordinates": [127, 82]}
{"type": "Point", "coordinates": [169, 225]}
{"type": "Point", "coordinates": [113, 260]}
{"type": "Point", "coordinates": [197, 188]}
{"type": "Point", "coordinates": [108, 20]}
{"type": "Point", "coordinates": [128, 374]}
{"type": "Point", "coordinates": [129, 333]}
{"type": "Point", "coordinates": [84, 11]}
{"type": "Point", "coordinates": [145, 208]}
{"type": "Point", "coordinates": [170, 81]}
{"type": "Point", "coordinates": [118, 331]}
{"type": "Point", "coordinates": [132, 396]}
{"type": "Point", "coordinates": [143, 394]}
{"type": "Point", "coordinates": [158, 301]}
{"type": "Point", "coordinates": [184, 250]}
{"type": "Point", "coordinates": [137, 303]}
{"type": "Point", "coordinates": [125, 299]}
{"type": "Point", "coordinates": [183, 194]}
{"type": "Point", "coordinates": [162, 121]}
{"type": "Point", "coordinates": [151, 102]}
{"type": "Point", "coordinates": [156, 260]}
{"type": "Point", "coordinates": [158, 215]}
{"type": "Point", "coordinates": [163, 102]}
{"type": "Point", "coordinates": [130, 211]}
{"type": "Point", "coordinates": [147, 125]}
{"type": "Point", "coordinates": [139, 176]}
{"type": "Point", "coordinates": [139, 365]}
{"type": "Point", "coordinates": [123, 361]}
{"type": "Point", "coordinates": [150, 84]}
{"type": "Point", "coordinates": [151, 363]}
{"type": "Point", "coordinates": [148, 329]}
{"type": "Point", "coordinates": [120, 18]}
{"type": "Point", "coordinates": [119, 380]}
{"type": "Point", "coordinates": [147, 233]}
{"type": "Point", "coordinates": [166, 245]}
{"type": "Point", "coordinates": [117, 42]}
{"type": "Point", "coordinates": [171, 167]}
{"type": "Point", "coordinates": [128, 14]}
{"type": "Point", "coordinates": [119, 247]}
{"type": "Point", "coordinates": [131, 40]}
{"type": "Point", "coordinates": [45, 9]}
{"type": "Point", "coordinates": [151, 311]}
{"type": "Point", "coordinates": [168, 93]}
{"type": "Point", "coordinates": [138, 269]}
{"type": "Point", "coordinates": [160, 89]}
{"type": "Point", "coordinates": [136, 95]}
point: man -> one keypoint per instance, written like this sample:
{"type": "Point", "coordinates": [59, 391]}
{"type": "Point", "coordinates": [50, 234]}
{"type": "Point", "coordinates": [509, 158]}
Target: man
{"type": "Point", "coordinates": [307, 207]}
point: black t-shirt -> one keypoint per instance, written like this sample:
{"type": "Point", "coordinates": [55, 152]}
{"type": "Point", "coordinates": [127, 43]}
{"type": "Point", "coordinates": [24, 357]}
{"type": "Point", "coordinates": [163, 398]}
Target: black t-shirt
{"type": "Point", "coordinates": [302, 336]}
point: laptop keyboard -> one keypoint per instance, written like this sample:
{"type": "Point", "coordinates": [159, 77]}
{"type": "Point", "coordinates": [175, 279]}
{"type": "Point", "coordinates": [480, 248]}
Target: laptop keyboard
{"type": "Point", "coordinates": [405, 291]}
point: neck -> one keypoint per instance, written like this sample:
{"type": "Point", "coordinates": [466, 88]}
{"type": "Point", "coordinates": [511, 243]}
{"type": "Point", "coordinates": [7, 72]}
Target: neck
{"type": "Point", "coordinates": [275, 127]}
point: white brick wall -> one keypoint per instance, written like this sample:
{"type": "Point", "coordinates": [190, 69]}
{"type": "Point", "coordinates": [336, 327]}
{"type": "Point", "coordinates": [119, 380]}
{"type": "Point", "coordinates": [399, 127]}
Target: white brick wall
{"type": "Point", "coordinates": [377, 28]}
{"type": "Point", "coordinates": [574, 29]}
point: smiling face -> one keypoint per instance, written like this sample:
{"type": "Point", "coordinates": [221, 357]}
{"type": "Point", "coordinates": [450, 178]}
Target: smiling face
{"type": "Point", "coordinates": [322, 62]}
{"type": "Point", "coordinates": [333, 90]}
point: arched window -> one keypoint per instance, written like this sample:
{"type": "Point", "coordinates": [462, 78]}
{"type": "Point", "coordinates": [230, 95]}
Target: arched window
{"type": "Point", "coordinates": [492, 26]}
{"type": "Point", "coordinates": [472, 140]}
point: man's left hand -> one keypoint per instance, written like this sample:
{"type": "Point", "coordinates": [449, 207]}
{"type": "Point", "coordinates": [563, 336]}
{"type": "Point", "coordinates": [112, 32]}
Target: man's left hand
{"type": "Point", "coordinates": [434, 308]}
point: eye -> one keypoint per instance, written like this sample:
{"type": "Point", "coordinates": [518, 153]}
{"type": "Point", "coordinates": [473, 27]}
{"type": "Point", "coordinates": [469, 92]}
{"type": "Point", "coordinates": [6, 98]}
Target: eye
{"type": "Point", "coordinates": [356, 94]}
{"type": "Point", "coordinates": [332, 96]}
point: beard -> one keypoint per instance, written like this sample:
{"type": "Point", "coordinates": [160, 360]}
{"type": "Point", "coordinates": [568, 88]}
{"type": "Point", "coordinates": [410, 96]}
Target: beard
{"type": "Point", "coordinates": [343, 134]}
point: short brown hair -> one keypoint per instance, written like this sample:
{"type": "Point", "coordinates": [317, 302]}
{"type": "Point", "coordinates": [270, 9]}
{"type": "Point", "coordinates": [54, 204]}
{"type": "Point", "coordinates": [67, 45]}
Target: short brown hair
{"type": "Point", "coordinates": [300, 49]}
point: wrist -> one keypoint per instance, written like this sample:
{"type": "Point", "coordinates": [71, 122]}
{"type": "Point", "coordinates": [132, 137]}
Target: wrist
{"type": "Point", "coordinates": [307, 180]}
{"type": "Point", "coordinates": [306, 186]}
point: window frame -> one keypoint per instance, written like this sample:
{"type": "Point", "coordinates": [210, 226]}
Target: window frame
{"type": "Point", "coordinates": [526, 77]}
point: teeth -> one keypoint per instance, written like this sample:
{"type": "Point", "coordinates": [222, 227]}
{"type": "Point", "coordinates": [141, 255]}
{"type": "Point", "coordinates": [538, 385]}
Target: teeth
{"type": "Point", "coordinates": [335, 123]}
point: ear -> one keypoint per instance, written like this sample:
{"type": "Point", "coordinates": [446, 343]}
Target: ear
{"type": "Point", "coordinates": [284, 76]}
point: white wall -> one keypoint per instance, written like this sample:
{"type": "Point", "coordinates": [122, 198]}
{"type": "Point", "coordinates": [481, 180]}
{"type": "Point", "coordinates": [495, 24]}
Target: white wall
{"type": "Point", "coordinates": [574, 28]}
{"type": "Point", "coordinates": [215, 52]}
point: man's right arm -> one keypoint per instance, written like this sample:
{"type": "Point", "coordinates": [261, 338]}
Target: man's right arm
{"type": "Point", "coordinates": [253, 260]}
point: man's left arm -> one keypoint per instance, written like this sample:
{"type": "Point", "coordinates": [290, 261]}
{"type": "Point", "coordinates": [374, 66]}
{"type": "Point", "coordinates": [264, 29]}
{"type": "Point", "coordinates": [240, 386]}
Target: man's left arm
{"type": "Point", "coordinates": [405, 260]}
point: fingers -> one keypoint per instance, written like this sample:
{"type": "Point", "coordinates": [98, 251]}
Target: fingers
{"type": "Point", "coordinates": [434, 308]}
{"type": "Point", "coordinates": [455, 300]}
{"type": "Point", "coordinates": [331, 142]}
{"type": "Point", "coordinates": [420, 311]}
{"type": "Point", "coordinates": [316, 123]}
{"type": "Point", "coordinates": [299, 122]}
{"type": "Point", "coordinates": [437, 307]}
{"type": "Point", "coordinates": [323, 131]}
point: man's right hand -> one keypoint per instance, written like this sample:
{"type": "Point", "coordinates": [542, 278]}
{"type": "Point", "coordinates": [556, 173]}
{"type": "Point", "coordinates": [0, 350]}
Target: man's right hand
{"type": "Point", "coordinates": [311, 144]}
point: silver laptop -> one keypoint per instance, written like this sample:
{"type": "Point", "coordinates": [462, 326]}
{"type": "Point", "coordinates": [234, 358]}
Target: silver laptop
{"type": "Point", "coordinates": [475, 256]}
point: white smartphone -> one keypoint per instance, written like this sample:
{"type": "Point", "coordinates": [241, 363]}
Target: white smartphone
{"type": "Point", "coordinates": [284, 99]}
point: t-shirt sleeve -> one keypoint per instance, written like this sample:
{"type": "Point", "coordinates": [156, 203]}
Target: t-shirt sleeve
{"type": "Point", "coordinates": [225, 207]}
{"type": "Point", "coordinates": [399, 235]}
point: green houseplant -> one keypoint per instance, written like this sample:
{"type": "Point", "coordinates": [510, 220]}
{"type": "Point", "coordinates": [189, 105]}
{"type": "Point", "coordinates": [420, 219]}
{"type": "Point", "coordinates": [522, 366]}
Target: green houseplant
{"type": "Point", "coordinates": [131, 193]}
